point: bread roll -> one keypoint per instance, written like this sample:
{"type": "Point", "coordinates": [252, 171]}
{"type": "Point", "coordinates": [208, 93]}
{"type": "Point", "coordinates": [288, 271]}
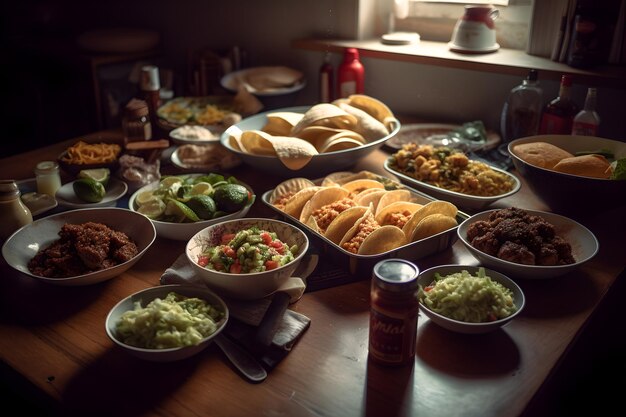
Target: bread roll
{"type": "Point", "coordinates": [541, 154]}
{"type": "Point", "coordinates": [595, 166]}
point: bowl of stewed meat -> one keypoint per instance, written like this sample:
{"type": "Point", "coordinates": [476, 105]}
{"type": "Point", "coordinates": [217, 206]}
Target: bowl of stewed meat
{"type": "Point", "coordinates": [527, 243]}
{"type": "Point", "coordinates": [80, 247]}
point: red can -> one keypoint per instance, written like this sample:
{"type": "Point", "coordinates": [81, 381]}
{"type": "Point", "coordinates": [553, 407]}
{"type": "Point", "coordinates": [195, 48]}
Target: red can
{"type": "Point", "coordinates": [393, 312]}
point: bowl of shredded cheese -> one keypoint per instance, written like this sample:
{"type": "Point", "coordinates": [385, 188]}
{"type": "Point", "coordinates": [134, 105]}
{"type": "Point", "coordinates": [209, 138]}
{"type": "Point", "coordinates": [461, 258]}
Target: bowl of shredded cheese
{"type": "Point", "coordinates": [168, 322]}
{"type": "Point", "coordinates": [469, 299]}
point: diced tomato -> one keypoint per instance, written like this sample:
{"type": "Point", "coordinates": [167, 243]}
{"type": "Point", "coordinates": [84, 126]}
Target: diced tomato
{"type": "Point", "coordinates": [203, 260]}
{"type": "Point", "coordinates": [267, 238]}
{"type": "Point", "coordinates": [428, 288]}
{"type": "Point", "coordinates": [227, 237]}
{"type": "Point", "coordinates": [270, 264]}
{"type": "Point", "coordinates": [218, 266]}
{"type": "Point", "coordinates": [278, 246]}
{"type": "Point", "coordinates": [230, 252]}
{"type": "Point", "coordinates": [235, 268]}
{"type": "Point", "coordinates": [491, 317]}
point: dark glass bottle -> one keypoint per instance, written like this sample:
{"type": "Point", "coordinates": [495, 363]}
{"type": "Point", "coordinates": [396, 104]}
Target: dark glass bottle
{"type": "Point", "coordinates": [559, 114]}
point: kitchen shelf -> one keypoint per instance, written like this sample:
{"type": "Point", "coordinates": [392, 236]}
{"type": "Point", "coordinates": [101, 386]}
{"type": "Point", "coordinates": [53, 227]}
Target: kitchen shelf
{"type": "Point", "coordinates": [504, 61]}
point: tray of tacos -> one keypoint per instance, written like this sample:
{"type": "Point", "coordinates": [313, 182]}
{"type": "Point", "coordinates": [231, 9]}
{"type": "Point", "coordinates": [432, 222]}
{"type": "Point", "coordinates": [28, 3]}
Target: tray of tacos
{"type": "Point", "coordinates": [361, 218]}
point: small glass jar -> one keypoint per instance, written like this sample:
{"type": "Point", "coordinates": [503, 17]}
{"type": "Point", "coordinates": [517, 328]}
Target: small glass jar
{"type": "Point", "coordinates": [393, 312]}
{"type": "Point", "coordinates": [136, 121]}
{"type": "Point", "coordinates": [48, 177]}
{"type": "Point", "coordinates": [13, 212]}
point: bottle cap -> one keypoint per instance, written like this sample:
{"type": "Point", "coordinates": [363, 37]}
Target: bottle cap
{"type": "Point", "coordinates": [46, 167]}
{"type": "Point", "coordinates": [149, 80]}
{"type": "Point", "coordinates": [566, 80]}
{"type": "Point", "coordinates": [533, 74]}
{"type": "Point", "coordinates": [351, 54]}
{"type": "Point", "coordinates": [8, 190]}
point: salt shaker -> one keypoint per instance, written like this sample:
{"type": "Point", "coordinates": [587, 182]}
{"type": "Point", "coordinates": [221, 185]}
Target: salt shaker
{"type": "Point", "coordinates": [13, 212]}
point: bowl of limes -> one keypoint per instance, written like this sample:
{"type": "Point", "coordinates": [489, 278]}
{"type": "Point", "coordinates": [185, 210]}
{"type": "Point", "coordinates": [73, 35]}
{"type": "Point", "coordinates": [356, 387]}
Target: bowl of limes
{"type": "Point", "coordinates": [182, 205]}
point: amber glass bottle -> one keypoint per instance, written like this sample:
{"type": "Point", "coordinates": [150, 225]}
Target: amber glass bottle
{"type": "Point", "coordinates": [559, 114]}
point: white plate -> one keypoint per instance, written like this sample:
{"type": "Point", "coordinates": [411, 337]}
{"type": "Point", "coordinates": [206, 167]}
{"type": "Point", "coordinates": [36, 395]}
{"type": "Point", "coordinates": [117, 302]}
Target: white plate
{"type": "Point", "coordinates": [462, 49]}
{"type": "Point", "coordinates": [230, 82]}
{"type": "Point", "coordinates": [115, 190]}
{"type": "Point", "coordinates": [584, 247]}
{"type": "Point", "coordinates": [420, 132]}
{"type": "Point", "coordinates": [459, 199]}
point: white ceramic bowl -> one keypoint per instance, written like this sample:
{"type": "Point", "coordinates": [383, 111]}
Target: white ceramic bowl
{"type": "Point", "coordinates": [319, 165]}
{"type": "Point", "coordinates": [465, 201]}
{"type": "Point", "coordinates": [572, 194]}
{"type": "Point", "coordinates": [583, 242]}
{"type": "Point", "coordinates": [246, 286]}
{"type": "Point", "coordinates": [149, 294]}
{"type": "Point", "coordinates": [428, 276]}
{"type": "Point", "coordinates": [24, 244]}
{"type": "Point", "coordinates": [184, 231]}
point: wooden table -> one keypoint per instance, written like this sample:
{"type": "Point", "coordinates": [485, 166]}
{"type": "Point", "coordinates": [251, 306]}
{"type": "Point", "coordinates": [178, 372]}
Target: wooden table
{"type": "Point", "coordinates": [54, 338]}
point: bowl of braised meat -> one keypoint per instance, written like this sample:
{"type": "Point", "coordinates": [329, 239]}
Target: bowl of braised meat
{"type": "Point", "coordinates": [80, 247]}
{"type": "Point", "coordinates": [527, 243]}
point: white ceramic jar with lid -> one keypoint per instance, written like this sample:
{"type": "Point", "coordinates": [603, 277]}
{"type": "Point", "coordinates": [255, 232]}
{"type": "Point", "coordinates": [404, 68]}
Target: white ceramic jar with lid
{"type": "Point", "coordinates": [48, 177]}
{"type": "Point", "coordinates": [13, 212]}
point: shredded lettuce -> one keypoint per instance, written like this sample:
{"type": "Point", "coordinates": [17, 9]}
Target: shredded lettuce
{"type": "Point", "coordinates": [469, 298]}
{"type": "Point", "coordinates": [618, 169]}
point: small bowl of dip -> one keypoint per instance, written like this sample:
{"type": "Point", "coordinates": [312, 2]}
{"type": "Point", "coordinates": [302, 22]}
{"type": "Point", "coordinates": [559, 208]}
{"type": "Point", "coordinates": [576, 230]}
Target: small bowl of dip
{"type": "Point", "coordinates": [193, 134]}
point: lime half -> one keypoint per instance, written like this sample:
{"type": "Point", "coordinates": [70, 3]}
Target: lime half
{"type": "Point", "coordinates": [180, 212]}
{"type": "Point", "coordinates": [101, 175]}
{"type": "Point", "coordinates": [201, 188]}
{"type": "Point", "coordinates": [89, 190]}
{"type": "Point", "coordinates": [152, 209]}
{"type": "Point", "coordinates": [145, 197]}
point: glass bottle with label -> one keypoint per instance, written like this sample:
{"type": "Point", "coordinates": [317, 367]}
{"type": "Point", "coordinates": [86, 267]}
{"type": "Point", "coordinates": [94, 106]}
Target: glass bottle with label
{"type": "Point", "coordinates": [558, 115]}
{"type": "Point", "coordinates": [393, 312]}
{"type": "Point", "coordinates": [13, 212]}
{"type": "Point", "coordinates": [587, 121]}
{"type": "Point", "coordinates": [350, 74]}
{"type": "Point", "coordinates": [522, 110]}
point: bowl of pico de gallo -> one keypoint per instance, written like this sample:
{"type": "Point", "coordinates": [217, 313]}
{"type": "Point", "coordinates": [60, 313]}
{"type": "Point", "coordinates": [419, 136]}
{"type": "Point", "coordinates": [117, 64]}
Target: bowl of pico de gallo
{"type": "Point", "coordinates": [247, 258]}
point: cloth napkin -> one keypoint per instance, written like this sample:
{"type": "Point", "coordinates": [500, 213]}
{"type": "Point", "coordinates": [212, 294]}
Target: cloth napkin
{"type": "Point", "coordinates": [246, 315]}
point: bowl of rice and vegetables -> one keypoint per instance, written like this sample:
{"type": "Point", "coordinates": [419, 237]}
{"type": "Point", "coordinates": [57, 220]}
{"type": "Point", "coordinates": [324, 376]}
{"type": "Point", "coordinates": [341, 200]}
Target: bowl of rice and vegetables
{"type": "Point", "coordinates": [448, 174]}
{"type": "Point", "coordinates": [469, 299]}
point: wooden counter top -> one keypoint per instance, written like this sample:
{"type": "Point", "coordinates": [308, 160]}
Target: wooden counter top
{"type": "Point", "coordinates": [54, 338]}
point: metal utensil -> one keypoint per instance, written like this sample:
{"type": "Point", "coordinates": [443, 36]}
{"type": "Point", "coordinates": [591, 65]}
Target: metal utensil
{"type": "Point", "coordinates": [241, 359]}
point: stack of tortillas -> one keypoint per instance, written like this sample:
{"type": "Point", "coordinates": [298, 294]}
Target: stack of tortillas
{"type": "Point", "coordinates": [327, 127]}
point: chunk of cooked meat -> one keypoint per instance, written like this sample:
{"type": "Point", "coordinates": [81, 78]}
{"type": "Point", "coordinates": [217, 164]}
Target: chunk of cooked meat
{"type": "Point", "coordinates": [514, 252]}
{"type": "Point", "coordinates": [515, 235]}
{"type": "Point", "coordinates": [83, 248]}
